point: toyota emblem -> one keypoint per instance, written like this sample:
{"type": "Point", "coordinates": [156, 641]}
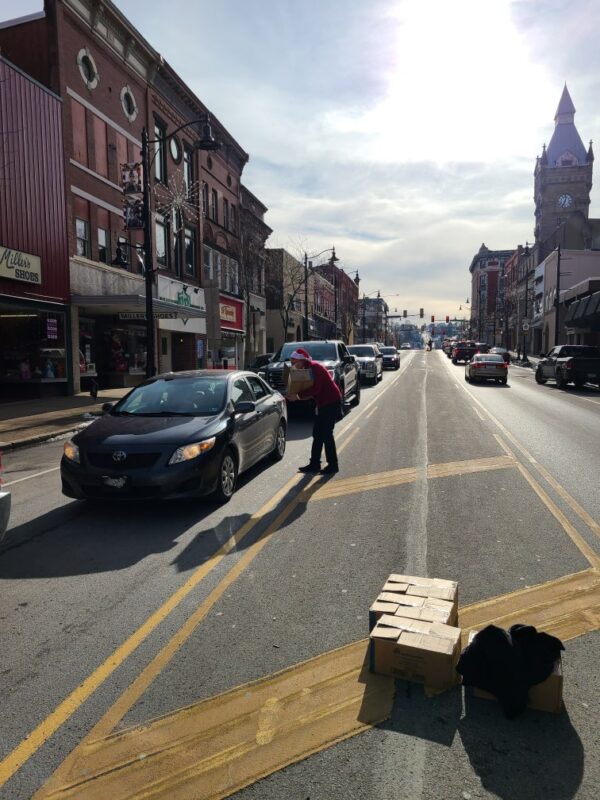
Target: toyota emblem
{"type": "Point", "coordinates": [119, 455]}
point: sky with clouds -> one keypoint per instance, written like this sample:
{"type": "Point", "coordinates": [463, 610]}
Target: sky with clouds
{"type": "Point", "coordinates": [404, 132]}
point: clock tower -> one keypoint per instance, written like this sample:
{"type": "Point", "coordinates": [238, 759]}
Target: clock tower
{"type": "Point", "coordinates": [563, 175]}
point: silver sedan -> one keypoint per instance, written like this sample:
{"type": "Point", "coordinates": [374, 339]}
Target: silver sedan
{"type": "Point", "coordinates": [486, 367]}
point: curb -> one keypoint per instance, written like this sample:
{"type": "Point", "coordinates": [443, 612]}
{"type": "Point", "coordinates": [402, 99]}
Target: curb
{"type": "Point", "coordinates": [41, 437]}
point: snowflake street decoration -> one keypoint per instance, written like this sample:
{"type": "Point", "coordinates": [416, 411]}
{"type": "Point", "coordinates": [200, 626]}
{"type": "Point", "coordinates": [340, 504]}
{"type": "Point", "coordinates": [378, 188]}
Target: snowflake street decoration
{"type": "Point", "coordinates": [179, 202]}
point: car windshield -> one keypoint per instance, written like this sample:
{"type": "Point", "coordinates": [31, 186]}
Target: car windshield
{"type": "Point", "coordinates": [319, 351]}
{"type": "Point", "coordinates": [175, 397]}
{"type": "Point", "coordinates": [362, 351]}
{"type": "Point", "coordinates": [388, 351]}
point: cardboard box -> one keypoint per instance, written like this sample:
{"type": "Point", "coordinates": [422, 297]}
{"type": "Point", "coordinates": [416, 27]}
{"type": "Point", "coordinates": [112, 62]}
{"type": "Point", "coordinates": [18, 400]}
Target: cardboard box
{"type": "Point", "coordinates": [439, 597]}
{"type": "Point", "coordinates": [544, 696]}
{"type": "Point", "coordinates": [298, 380]}
{"type": "Point", "coordinates": [424, 608]}
{"type": "Point", "coordinates": [415, 650]}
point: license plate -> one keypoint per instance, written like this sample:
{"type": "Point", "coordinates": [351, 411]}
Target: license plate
{"type": "Point", "coordinates": [115, 483]}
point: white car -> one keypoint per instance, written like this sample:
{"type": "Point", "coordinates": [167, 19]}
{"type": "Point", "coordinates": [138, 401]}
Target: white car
{"type": "Point", "coordinates": [370, 361]}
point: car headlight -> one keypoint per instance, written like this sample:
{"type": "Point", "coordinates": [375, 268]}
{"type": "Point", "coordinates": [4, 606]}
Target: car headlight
{"type": "Point", "coordinates": [191, 451]}
{"type": "Point", "coordinates": [71, 452]}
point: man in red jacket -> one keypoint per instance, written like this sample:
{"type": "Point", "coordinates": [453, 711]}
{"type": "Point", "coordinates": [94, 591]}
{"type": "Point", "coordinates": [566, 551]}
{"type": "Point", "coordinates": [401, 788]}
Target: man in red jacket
{"type": "Point", "coordinates": [328, 400]}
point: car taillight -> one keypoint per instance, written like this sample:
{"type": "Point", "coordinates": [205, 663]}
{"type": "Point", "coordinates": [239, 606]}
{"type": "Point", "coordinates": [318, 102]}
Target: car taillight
{"type": "Point", "coordinates": [569, 364]}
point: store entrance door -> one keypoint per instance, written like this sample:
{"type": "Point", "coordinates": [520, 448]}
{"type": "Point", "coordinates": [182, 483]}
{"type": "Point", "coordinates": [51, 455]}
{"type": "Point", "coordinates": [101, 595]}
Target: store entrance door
{"type": "Point", "coordinates": [183, 351]}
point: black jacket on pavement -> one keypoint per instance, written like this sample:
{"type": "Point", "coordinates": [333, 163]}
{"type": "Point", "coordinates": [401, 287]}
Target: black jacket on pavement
{"type": "Point", "coordinates": [508, 663]}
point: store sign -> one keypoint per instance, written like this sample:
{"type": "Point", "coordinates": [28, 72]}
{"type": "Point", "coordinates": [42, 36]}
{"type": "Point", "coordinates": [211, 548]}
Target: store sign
{"type": "Point", "coordinates": [139, 315]}
{"type": "Point", "coordinates": [180, 293]}
{"type": "Point", "coordinates": [227, 312]}
{"type": "Point", "coordinates": [51, 328]}
{"type": "Point", "coordinates": [19, 266]}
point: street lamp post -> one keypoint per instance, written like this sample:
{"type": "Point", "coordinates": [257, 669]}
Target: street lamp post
{"type": "Point", "coordinates": [207, 142]}
{"type": "Point", "coordinates": [332, 261]}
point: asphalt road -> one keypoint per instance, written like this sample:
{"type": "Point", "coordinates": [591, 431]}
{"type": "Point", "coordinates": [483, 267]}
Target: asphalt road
{"type": "Point", "coordinates": [79, 581]}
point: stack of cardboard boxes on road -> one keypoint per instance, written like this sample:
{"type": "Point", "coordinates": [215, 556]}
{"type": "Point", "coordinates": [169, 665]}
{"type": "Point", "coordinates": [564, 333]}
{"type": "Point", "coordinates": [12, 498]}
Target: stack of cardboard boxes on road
{"type": "Point", "coordinates": [414, 635]}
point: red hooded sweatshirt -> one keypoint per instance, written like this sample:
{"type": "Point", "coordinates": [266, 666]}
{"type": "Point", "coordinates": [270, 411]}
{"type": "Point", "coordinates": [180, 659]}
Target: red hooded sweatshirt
{"type": "Point", "coordinates": [324, 390]}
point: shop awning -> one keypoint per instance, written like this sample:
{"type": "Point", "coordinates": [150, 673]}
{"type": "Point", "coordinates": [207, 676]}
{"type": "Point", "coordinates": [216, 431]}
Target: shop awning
{"type": "Point", "coordinates": [116, 304]}
{"type": "Point", "coordinates": [571, 311]}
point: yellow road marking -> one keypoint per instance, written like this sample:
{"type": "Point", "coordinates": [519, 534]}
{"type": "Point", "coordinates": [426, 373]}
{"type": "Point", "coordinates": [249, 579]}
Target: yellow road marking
{"type": "Point", "coordinates": [558, 488]}
{"type": "Point", "coordinates": [567, 607]}
{"type": "Point", "coordinates": [569, 529]}
{"type": "Point", "coordinates": [478, 412]}
{"type": "Point", "coordinates": [217, 746]}
{"type": "Point", "coordinates": [25, 749]}
{"type": "Point", "coordinates": [14, 760]}
{"type": "Point", "coordinates": [396, 477]}
{"type": "Point", "coordinates": [372, 411]}
{"type": "Point", "coordinates": [214, 748]}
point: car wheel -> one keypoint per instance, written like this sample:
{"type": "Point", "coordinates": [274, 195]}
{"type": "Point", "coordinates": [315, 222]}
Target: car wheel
{"type": "Point", "coordinates": [454, 361]}
{"type": "Point", "coordinates": [280, 442]}
{"type": "Point", "coordinates": [504, 381]}
{"type": "Point", "coordinates": [468, 380]}
{"type": "Point", "coordinates": [227, 477]}
{"type": "Point", "coordinates": [539, 378]}
{"type": "Point", "coordinates": [560, 381]}
{"type": "Point", "coordinates": [579, 384]}
{"type": "Point", "coordinates": [356, 398]}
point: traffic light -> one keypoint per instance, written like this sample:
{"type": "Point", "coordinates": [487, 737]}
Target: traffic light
{"type": "Point", "coordinates": [421, 313]}
{"type": "Point", "coordinates": [432, 318]}
{"type": "Point", "coordinates": [404, 314]}
{"type": "Point", "coordinates": [447, 318]}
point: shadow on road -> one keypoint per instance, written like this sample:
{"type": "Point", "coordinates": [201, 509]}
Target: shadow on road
{"type": "Point", "coordinates": [537, 755]}
{"type": "Point", "coordinates": [85, 538]}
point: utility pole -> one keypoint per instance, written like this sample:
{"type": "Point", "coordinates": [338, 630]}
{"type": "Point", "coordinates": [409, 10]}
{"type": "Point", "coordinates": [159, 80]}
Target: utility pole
{"type": "Point", "coordinates": [557, 298]}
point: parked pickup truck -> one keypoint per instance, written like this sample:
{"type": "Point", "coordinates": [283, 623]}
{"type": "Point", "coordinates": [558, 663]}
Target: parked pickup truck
{"type": "Point", "coordinates": [463, 351]}
{"type": "Point", "coordinates": [570, 363]}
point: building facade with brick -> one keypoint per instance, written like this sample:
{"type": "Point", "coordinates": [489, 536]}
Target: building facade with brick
{"type": "Point", "coordinates": [35, 337]}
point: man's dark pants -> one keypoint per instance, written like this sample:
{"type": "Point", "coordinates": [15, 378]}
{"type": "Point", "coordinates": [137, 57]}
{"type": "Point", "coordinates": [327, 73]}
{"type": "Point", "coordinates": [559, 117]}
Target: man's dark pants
{"type": "Point", "coordinates": [323, 435]}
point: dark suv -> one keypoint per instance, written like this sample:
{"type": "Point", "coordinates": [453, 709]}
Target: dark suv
{"type": "Point", "coordinates": [334, 355]}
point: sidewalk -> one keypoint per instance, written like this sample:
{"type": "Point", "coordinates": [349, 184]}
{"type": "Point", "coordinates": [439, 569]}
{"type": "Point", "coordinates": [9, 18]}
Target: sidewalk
{"type": "Point", "coordinates": [533, 360]}
{"type": "Point", "coordinates": [30, 421]}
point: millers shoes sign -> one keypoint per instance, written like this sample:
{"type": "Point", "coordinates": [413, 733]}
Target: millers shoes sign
{"type": "Point", "coordinates": [18, 266]}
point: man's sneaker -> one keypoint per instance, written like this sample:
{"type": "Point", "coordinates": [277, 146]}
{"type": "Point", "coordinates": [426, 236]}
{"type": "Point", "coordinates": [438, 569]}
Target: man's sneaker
{"type": "Point", "coordinates": [330, 469]}
{"type": "Point", "coordinates": [310, 468]}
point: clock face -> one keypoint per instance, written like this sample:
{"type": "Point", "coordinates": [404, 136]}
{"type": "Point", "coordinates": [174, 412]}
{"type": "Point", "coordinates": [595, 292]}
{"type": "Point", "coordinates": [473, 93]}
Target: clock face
{"type": "Point", "coordinates": [565, 201]}
{"type": "Point", "coordinates": [175, 149]}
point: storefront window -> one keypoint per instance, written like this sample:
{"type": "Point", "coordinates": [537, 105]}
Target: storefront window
{"type": "Point", "coordinates": [127, 349]}
{"type": "Point", "coordinates": [87, 348]}
{"type": "Point", "coordinates": [33, 345]}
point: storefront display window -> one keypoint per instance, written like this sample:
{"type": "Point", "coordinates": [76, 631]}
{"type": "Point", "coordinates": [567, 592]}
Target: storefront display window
{"type": "Point", "coordinates": [127, 350]}
{"type": "Point", "coordinates": [33, 345]}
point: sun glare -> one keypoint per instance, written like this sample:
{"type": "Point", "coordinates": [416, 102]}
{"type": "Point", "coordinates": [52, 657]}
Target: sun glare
{"type": "Point", "coordinates": [462, 87]}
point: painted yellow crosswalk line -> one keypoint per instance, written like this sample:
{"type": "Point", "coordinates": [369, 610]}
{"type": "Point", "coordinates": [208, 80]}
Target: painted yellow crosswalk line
{"type": "Point", "coordinates": [220, 745]}
{"type": "Point", "coordinates": [396, 477]}
{"type": "Point", "coordinates": [216, 747]}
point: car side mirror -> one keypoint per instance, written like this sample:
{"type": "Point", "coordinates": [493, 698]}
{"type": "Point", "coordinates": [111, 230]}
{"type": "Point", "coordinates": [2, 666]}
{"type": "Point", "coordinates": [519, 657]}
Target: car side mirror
{"type": "Point", "coordinates": [348, 359]}
{"type": "Point", "coordinates": [107, 407]}
{"type": "Point", "coordinates": [245, 407]}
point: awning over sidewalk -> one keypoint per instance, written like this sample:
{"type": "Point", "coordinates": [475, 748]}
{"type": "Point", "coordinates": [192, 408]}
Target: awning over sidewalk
{"type": "Point", "coordinates": [117, 304]}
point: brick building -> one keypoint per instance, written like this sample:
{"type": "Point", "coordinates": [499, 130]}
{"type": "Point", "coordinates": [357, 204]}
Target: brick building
{"type": "Point", "coordinates": [113, 84]}
{"type": "Point", "coordinates": [35, 340]}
